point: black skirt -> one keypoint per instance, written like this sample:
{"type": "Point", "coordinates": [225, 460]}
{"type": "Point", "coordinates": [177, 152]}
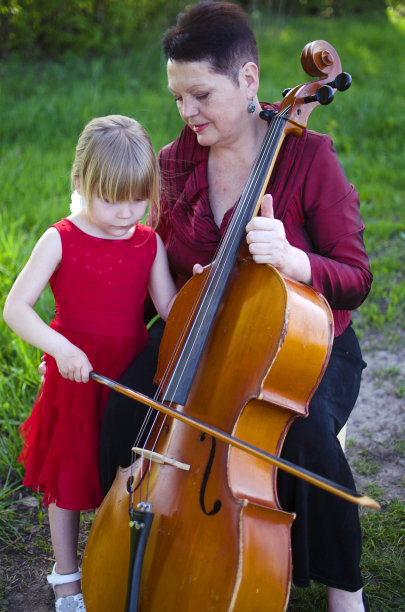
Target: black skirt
{"type": "Point", "coordinates": [326, 536]}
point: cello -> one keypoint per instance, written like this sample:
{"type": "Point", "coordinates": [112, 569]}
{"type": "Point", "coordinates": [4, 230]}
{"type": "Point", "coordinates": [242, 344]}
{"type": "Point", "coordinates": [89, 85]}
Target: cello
{"type": "Point", "coordinates": [243, 352]}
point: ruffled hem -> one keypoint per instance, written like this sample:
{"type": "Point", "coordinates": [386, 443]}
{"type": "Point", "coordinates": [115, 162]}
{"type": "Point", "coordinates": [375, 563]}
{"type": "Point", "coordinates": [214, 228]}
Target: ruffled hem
{"type": "Point", "coordinates": [62, 434]}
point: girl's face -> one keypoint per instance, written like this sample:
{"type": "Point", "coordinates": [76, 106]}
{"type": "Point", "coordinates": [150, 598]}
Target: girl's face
{"type": "Point", "coordinates": [211, 104]}
{"type": "Point", "coordinates": [115, 219]}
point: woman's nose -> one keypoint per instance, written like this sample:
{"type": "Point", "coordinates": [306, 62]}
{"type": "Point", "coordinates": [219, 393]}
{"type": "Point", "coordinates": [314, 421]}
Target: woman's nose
{"type": "Point", "coordinates": [189, 108]}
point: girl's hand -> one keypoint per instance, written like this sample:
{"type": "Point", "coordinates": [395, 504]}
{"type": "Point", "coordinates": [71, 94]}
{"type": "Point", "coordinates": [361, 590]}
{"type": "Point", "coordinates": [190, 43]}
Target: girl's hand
{"type": "Point", "coordinates": [72, 362]}
{"type": "Point", "coordinates": [268, 244]}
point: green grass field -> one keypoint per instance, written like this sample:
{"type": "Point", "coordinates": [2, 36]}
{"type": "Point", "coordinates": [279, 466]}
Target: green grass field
{"type": "Point", "coordinates": [43, 107]}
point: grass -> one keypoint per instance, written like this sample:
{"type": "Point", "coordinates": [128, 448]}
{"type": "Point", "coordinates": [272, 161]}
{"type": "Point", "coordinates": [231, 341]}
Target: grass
{"type": "Point", "coordinates": [365, 465]}
{"type": "Point", "coordinates": [394, 376]}
{"type": "Point", "coordinates": [367, 127]}
{"type": "Point", "coordinates": [44, 106]}
{"type": "Point", "coordinates": [382, 561]}
{"type": "Point", "coordinates": [383, 556]}
{"type": "Point", "coordinates": [8, 528]}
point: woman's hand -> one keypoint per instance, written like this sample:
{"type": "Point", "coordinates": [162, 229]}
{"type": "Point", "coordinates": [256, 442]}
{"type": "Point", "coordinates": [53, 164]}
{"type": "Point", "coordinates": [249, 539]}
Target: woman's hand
{"type": "Point", "coordinates": [268, 244]}
{"type": "Point", "coordinates": [42, 367]}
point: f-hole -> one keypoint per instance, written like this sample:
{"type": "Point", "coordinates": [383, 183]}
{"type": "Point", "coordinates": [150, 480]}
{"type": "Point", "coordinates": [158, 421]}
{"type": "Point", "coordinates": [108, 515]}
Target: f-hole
{"type": "Point", "coordinates": [131, 480]}
{"type": "Point", "coordinates": [217, 504]}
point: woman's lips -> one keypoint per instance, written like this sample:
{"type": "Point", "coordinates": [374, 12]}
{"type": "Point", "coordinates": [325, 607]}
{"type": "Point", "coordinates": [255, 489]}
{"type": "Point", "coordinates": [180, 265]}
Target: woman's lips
{"type": "Point", "coordinates": [199, 128]}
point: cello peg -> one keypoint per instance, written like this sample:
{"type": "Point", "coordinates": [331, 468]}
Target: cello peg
{"type": "Point", "coordinates": [324, 95]}
{"type": "Point", "coordinates": [342, 81]}
{"type": "Point", "coordinates": [267, 114]}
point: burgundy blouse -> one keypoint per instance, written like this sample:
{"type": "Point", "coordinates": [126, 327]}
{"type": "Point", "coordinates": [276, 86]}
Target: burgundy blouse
{"type": "Point", "coordinates": [319, 209]}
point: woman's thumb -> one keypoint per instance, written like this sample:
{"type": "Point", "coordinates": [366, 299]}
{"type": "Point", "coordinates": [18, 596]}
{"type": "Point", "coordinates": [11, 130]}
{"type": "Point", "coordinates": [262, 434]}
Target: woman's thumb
{"type": "Point", "coordinates": [267, 206]}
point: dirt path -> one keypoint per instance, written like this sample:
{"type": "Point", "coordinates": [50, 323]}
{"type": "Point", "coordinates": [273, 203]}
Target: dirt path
{"type": "Point", "coordinates": [375, 449]}
{"type": "Point", "coordinates": [375, 439]}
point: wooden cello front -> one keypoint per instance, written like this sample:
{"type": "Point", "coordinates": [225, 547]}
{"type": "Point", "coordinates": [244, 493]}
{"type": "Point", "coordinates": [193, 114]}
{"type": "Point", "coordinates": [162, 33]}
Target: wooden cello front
{"type": "Point", "coordinates": [219, 536]}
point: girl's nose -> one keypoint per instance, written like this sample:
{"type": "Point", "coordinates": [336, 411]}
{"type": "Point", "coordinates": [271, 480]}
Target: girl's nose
{"type": "Point", "coordinates": [124, 210]}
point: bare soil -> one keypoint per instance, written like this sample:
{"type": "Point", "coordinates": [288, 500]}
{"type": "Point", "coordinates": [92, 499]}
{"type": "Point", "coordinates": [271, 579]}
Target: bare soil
{"type": "Point", "coordinates": [374, 447]}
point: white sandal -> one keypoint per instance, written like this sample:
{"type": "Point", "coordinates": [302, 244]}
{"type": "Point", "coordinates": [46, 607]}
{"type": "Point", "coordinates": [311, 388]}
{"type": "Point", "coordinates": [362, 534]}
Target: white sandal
{"type": "Point", "coordinates": [72, 603]}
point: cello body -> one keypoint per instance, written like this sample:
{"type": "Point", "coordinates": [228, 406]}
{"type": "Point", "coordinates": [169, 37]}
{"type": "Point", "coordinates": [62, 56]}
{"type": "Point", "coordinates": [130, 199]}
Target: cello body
{"type": "Point", "coordinates": [219, 540]}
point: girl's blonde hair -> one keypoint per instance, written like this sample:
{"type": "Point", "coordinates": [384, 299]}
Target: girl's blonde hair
{"type": "Point", "coordinates": [115, 161]}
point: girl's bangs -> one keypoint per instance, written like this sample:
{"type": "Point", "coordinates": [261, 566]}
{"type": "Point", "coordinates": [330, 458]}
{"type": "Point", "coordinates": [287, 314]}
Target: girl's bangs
{"type": "Point", "coordinates": [124, 181]}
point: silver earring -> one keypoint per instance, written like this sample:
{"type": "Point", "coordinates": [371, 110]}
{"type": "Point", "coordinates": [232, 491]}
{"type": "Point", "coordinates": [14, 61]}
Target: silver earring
{"type": "Point", "coordinates": [251, 108]}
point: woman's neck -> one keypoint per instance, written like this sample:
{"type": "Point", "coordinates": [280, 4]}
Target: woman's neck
{"type": "Point", "coordinates": [229, 167]}
{"type": "Point", "coordinates": [245, 145]}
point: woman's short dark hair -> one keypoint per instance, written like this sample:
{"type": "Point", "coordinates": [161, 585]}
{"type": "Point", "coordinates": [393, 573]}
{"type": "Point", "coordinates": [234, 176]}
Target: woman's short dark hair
{"type": "Point", "coordinates": [217, 32]}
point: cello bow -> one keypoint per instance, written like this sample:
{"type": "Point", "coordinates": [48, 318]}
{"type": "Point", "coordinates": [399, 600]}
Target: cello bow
{"type": "Point", "coordinates": [282, 464]}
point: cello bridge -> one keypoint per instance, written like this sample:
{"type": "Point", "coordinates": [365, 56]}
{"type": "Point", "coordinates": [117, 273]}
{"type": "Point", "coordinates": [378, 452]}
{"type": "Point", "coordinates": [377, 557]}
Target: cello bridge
{"type": "Point", "coordinates": [159, 458]}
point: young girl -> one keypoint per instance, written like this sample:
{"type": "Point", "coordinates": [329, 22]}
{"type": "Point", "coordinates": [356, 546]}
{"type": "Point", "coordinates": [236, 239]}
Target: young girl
{"type": "Point", "coordinates": [100, 263]}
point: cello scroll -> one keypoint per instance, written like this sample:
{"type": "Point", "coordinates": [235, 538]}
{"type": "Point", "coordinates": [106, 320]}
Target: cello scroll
{"type": "Point", "coordinates": [318, 59]}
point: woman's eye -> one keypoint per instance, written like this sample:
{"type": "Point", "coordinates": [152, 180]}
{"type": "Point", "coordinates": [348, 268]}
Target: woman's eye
{"type": "Point", "coordinates": [202, 96]}
{"type": "Point", "coordinates": [178, 100]}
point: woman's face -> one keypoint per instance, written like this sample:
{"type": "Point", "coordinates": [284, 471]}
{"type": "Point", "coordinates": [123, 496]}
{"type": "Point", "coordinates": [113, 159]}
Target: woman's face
{"type": "Point", "coordinates": [211, 104]}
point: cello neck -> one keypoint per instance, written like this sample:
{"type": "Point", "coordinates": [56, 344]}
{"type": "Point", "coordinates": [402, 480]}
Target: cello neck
{"type": "Point", "coordinates": [200, 325]}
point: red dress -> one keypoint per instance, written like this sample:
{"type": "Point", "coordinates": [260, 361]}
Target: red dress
{"type": "Point", "coordinates": [99, 289]}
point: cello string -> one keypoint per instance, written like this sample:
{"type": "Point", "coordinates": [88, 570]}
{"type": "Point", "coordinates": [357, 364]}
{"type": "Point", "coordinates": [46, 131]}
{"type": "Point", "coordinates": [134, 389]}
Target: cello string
{"type": "Point", "coordinates": [210, 279]}
{"type": "Point", "coordinates": [214, 277]}
{"type": "Point", "coordinates": [235, 227]}
{"type": "Point", "coordinates": [235, 223]}
{"type": "Point", "coordinates": [179, 342]}
{"type": "Point", "coordinates": [222, 250]}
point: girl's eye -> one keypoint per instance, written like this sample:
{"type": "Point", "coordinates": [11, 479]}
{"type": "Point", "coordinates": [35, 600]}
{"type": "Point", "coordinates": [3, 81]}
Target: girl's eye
{"type": "Point", "coordinates": [178, 100]}
{"type": "Point", "coordinates": [202, 96]}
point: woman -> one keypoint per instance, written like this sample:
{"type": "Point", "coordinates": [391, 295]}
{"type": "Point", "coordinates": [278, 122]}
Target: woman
{"type": "Point", "coordinates": [309, 228]}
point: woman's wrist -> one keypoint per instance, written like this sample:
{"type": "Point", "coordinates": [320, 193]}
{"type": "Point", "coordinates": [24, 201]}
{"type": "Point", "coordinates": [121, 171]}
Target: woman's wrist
{"type": "Point", "coordinates": [298, 266]}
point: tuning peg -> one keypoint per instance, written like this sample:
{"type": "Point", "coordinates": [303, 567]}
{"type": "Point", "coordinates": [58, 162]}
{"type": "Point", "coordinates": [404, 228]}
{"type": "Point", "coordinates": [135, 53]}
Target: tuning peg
{"type": "Point", "coordinates": [342, 81]}
{"type": "Point", "coordinates": [324, 95]}
{"type": "Point", "coordinates": [267, 114]}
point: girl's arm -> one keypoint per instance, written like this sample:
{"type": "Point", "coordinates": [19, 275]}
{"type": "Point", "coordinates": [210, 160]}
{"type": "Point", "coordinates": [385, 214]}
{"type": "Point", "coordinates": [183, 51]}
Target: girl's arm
{"type": "Point", "coordinates": [20, 315]}
{"type": "Point", "coordinates": [161, 285]}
